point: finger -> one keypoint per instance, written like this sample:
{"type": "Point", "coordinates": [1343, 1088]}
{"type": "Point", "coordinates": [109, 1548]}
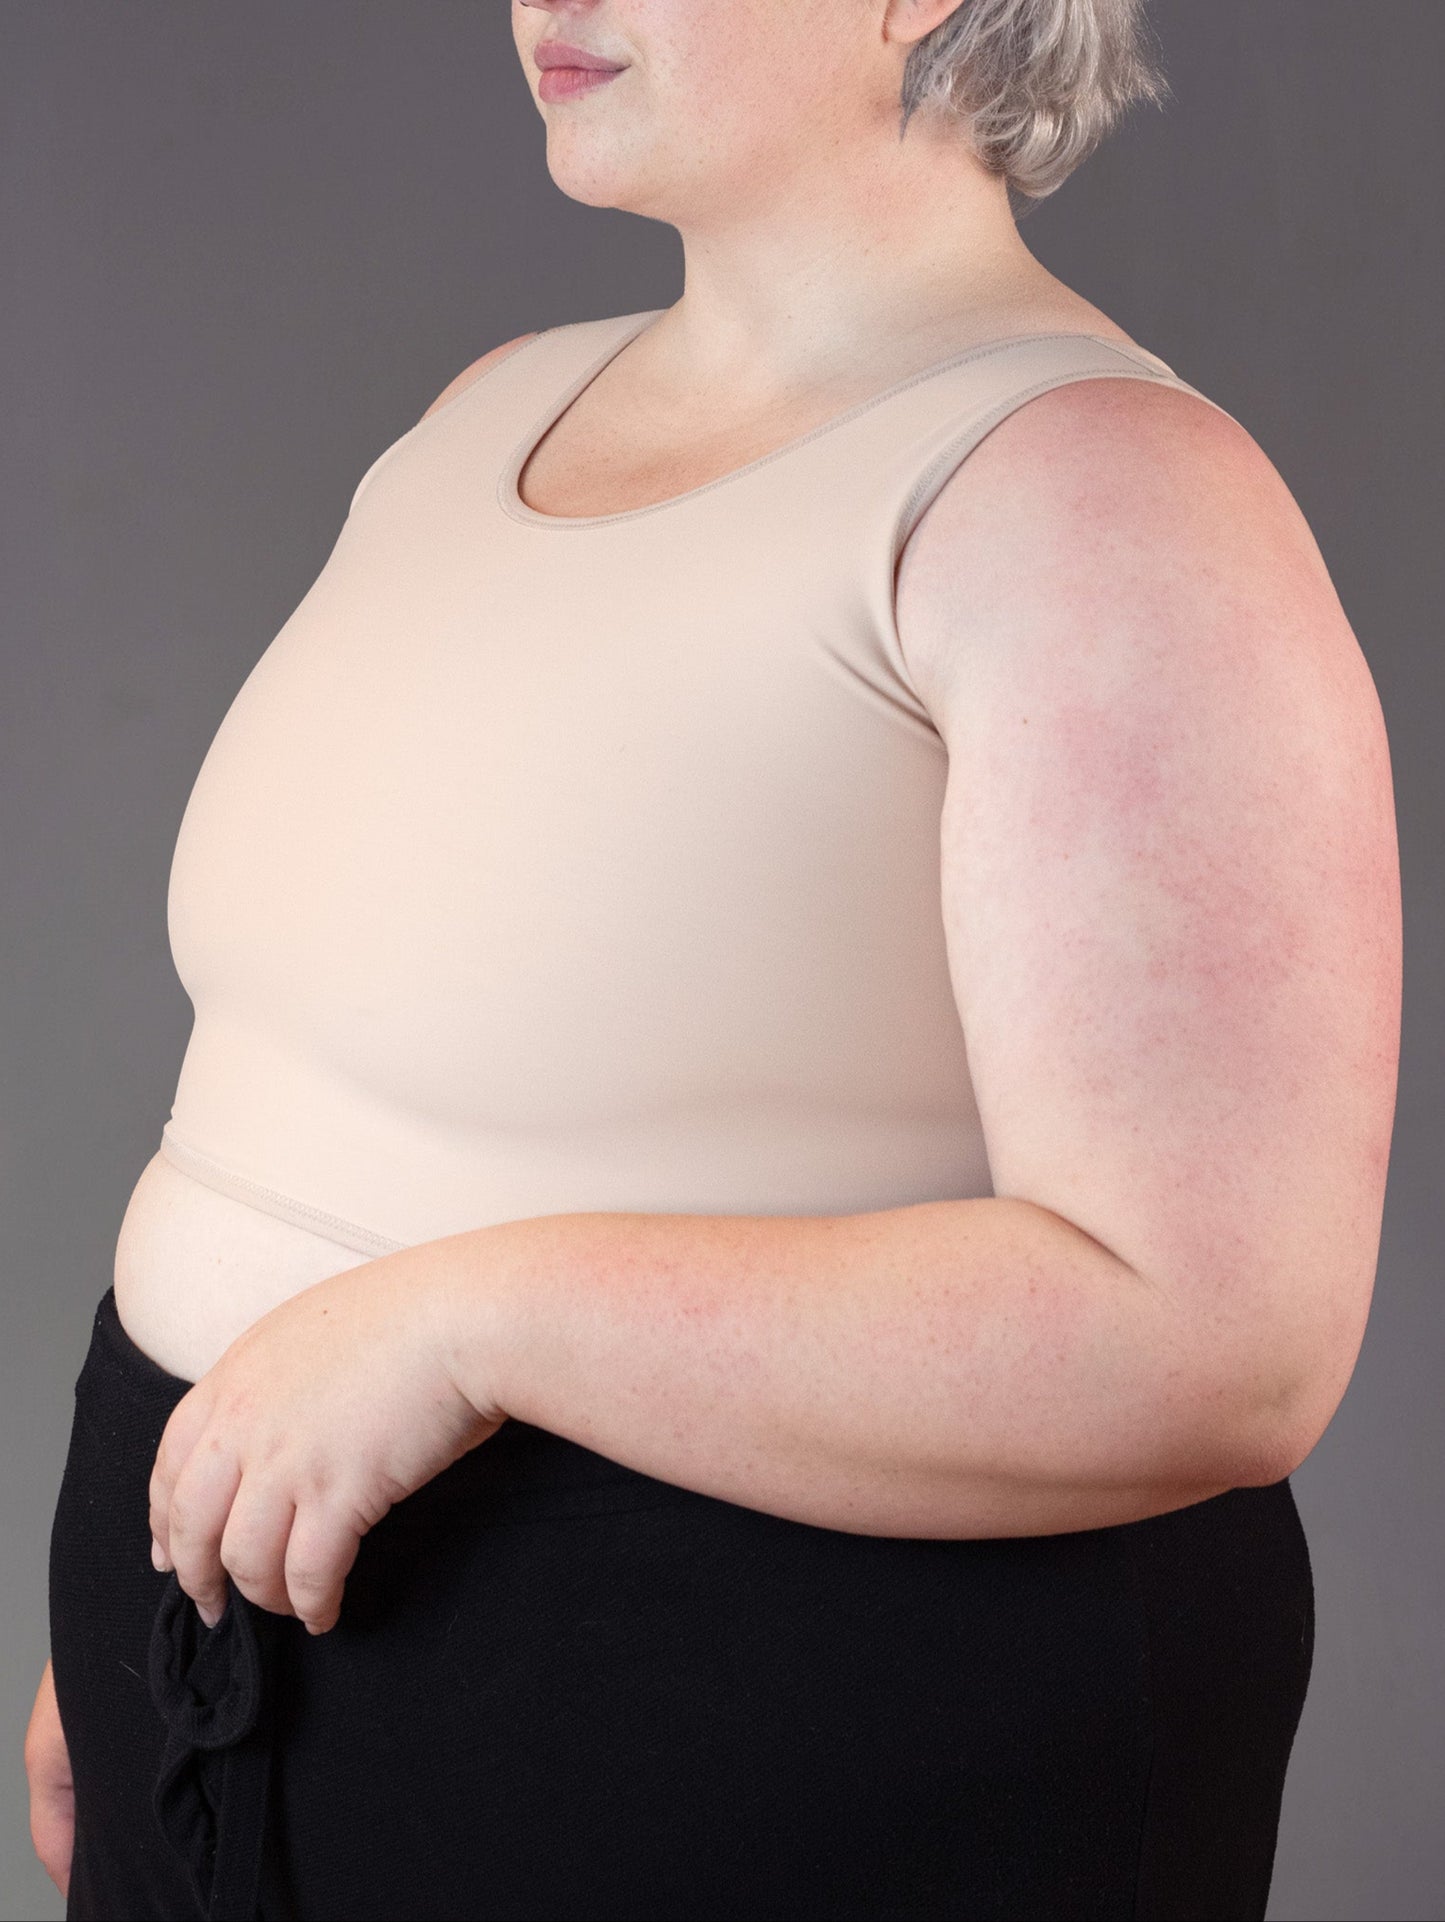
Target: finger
{"type": "Point", "coordinates": [183, 1429]}
{"type": "Point", "coordinates": [253, 1544]}
{"type": "Point", "coordinates": [324, 1544]}
{"type": "Point", "coordinates": [200, 1504]}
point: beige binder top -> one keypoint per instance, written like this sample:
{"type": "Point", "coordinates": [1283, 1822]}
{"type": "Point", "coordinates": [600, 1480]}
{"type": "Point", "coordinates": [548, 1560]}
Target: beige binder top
{"type": "Point", "coordinates": [544, 865]}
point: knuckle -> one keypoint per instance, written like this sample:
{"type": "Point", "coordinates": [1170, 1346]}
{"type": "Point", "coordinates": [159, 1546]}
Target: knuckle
{"type": "Point", "coordinates": [368, 1506]}
{"type": "Point", "coordinates": [181, 1519]}
{"type": "Point", "coordinates": [242, 1553]}
{"type": "Point", "coordinates": [320, 1479]}
{"type": "Point", "coordinates": [258, 1584]}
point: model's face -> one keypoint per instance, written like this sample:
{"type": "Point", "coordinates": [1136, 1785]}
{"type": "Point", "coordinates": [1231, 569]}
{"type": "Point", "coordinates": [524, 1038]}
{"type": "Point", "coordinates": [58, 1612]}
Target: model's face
{"type": "Point", "coordinates": [720, 104]}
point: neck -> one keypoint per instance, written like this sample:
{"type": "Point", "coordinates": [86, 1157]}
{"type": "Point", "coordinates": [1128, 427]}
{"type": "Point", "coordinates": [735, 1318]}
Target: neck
{"type": "Point", "coordinates": [910, 247]}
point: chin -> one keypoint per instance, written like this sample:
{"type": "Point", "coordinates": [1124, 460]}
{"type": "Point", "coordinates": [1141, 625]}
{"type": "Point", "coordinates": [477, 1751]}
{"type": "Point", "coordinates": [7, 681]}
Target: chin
{"type": "Point", "coordinates": [590, 178]}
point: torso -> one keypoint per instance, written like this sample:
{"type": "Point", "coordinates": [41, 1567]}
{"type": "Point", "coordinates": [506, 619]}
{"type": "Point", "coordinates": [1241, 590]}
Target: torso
{"type": "Point", "coordinates": [193, 1267]}
{"type": "Point", "coordinates": [621, 446]}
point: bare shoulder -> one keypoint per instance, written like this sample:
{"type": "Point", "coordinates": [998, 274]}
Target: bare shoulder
{"type": "Point", "coordinates": [476, 369]}
{"type": "Point", "coordinates": [1119, 507]}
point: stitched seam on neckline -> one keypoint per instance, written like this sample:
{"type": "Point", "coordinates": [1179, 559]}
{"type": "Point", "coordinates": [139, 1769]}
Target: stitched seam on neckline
{"type": "Point", "coordinates": [508, 492]}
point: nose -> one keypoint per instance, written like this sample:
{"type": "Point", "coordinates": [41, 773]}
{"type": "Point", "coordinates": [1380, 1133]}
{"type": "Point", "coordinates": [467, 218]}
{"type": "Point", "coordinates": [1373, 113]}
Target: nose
{"type": "Point", "coordinates": [565, 9]}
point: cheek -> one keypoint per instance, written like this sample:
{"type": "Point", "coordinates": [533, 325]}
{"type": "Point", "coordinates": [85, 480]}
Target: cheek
{"type": "Point", "coordinates": [738, 71]}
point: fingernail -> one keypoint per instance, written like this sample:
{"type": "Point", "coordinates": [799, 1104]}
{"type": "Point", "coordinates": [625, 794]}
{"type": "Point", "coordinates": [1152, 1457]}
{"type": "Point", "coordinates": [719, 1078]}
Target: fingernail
{"type": "Point", "coordinates": [209, 1616]}
{"type": "Point", "coordinates": [159, 1560]}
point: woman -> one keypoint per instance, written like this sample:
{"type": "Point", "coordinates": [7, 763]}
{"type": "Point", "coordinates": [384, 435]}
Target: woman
{"type": "Point", "coordinates": [796, 965]}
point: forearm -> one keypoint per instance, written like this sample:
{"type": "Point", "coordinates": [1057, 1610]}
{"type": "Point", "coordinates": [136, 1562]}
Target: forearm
{"type": "Point", "coordinates": [958, 1368]}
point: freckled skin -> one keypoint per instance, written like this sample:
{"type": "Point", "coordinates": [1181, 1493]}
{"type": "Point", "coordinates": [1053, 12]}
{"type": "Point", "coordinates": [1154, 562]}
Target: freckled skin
{"type": "Point", "coordinates": [1169, 854]}
{"type": "Point", "coordinates": [824, 257]}
{"type": "Point", "coordinates": [1169, 862]}
{"type": "Point", "coordinates": [824, 261]}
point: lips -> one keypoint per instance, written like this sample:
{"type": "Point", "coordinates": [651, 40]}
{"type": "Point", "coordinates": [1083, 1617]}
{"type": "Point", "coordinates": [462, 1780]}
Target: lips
{"type": "Point", "coordinates": [558, 53]}
{"type": "Point", "coordinates": [571, 83]}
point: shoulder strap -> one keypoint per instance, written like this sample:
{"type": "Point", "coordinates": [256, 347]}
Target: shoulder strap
{"type": "Point", "coordinates": [972, 400]}
{"type": "Point", "coordinates": [879, 468]}
{"type": "Point", "coordinates": [539, 372]}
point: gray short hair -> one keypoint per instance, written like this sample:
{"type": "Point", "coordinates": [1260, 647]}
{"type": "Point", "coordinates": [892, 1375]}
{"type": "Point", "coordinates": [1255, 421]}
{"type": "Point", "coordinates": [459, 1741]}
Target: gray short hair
{"type": "Point", "coordinates": [1038, 84]}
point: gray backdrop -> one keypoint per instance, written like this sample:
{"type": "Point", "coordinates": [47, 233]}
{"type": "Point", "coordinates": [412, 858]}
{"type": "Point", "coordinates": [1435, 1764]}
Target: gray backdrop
{"type": "Point", "coordinates": [243, 247]}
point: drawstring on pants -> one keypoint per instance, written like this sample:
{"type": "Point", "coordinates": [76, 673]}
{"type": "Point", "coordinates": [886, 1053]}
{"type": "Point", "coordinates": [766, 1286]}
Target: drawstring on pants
{"type": "Point", "coordinates": [212, 1688]}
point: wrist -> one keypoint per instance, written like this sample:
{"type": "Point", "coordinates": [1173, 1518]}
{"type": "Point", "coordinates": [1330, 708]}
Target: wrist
{"type": "Point", "coordinates": [485, 1293]}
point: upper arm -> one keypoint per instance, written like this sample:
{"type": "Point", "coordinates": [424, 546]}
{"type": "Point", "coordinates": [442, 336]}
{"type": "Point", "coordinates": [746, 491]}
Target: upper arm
{"type": "Point", "coordinates": [478, 367]}
{"type": "Point", "coordinates": [1169, 868]}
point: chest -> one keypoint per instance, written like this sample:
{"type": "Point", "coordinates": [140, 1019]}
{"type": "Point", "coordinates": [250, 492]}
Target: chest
{"type": "Point", "coordinates": [613, 452]}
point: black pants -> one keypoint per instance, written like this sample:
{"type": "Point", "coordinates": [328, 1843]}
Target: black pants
{"type": "Point", "coordinates": [559, 1688]}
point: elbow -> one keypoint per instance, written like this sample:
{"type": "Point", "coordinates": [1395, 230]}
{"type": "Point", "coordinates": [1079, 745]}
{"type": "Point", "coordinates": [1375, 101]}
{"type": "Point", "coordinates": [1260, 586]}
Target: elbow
{"type": "Point", "coordinates": [1230, 1432]}
{"type": "Point", "coordinates": [1260, 1414]}
{"type": "Point", "coordinates": [1267, 1454]}
{"type": "Point", "coordinates": [1281, 1429]}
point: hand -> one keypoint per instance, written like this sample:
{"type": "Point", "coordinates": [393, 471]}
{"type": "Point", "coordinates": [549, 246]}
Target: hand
{"type": "Point", "coordinates": [52, 1789]}
{"type": "Point", "coordinates": [319, 1418]}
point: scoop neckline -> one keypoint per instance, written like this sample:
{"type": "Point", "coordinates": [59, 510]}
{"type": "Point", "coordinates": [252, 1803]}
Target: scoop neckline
{"type": "Point", "coordinates": [509, 495]}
